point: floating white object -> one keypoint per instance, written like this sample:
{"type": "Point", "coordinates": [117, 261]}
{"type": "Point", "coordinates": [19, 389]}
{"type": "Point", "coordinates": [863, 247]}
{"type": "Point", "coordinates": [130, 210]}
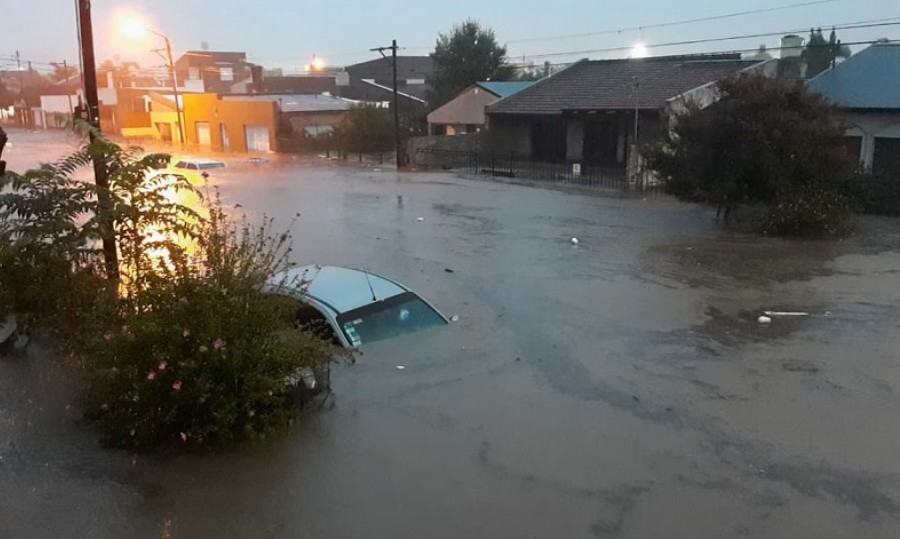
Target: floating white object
{"type": "Point", "coordinates": [420, 219]}
{"type": "Point", "coordinates": [764, 320]}
{"type": "Point", "coordinates": [574, 241]}
{"type": "Point", "coordinates": [454, 318]}
{"type": "Point", "coordinates": [401, 368]}
{"type": "Point", "coordinates": [782, 313]}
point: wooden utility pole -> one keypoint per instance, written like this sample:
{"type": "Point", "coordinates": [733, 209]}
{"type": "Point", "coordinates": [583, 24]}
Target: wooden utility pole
{"type": "Point", "coordinates": [101, 175]}
{"type": "Point", "coordinates": [393, 48]}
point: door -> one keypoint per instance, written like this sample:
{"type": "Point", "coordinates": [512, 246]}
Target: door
{"type": "Point", "coordinates": [887, 156]}
{"type": "Point", "coordinates": [226, 144]}
{"type": "Point", "coordinates": [203, 137]}
{"type": "Point", "coordinates": [257, 138]}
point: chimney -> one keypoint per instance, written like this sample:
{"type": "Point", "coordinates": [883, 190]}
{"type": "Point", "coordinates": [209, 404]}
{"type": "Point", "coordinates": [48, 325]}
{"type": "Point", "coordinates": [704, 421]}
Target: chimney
{"type": "Point", "coordinates": [791, 46]}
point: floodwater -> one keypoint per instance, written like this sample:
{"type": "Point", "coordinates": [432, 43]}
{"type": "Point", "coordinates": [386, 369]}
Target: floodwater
{"type": "Point", "coordinates": [618, 388]}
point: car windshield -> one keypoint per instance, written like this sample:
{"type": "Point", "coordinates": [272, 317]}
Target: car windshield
{"type": "Point", "coordinates": [207, 166]}
{"type": "Point", "coordinates": [399, 315]}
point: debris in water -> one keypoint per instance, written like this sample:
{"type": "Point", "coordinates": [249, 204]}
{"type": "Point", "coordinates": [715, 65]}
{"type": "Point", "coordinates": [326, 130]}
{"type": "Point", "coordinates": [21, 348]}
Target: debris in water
{"type": "Point", "coordinates": [764, 320]}
{"type": "Point", "coordinates": [784, 313]}
{"type": "Point", "coordinates": [401, 368]}
{"type": "Point", "coordinates": [454, 318]}
{"type": "Point", "coordinates": [420, 219]}
{"type": "Point", "coordinates": [448, 270]}
{"type": "Point", "coordinates": [574, 241]}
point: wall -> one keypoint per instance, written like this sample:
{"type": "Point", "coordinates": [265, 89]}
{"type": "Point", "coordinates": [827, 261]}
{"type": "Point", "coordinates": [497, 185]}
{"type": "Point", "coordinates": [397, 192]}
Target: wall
{"type": "Point", "coordinates": [234, 114]}
{"type": "Point", "coordinates": [459, 143]}
{"type": "Point", "coordinates": [509, 133]}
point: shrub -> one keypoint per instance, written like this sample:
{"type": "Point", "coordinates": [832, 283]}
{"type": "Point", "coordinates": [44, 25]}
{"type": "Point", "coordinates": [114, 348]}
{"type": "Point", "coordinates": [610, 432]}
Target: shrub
{"type": "Point", "coordinates": [180, 346]}
{"type": "Point", "coordinates": [197, 355]}
{"type": "Point", "coordinates": [877, 194]}
{"type": "Point", "coordinates": [810, 212]}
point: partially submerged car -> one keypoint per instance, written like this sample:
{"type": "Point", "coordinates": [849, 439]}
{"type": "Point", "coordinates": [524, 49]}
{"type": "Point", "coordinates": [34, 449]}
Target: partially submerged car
{"type": "Point", "coordinates": [199, 164]}
{"type": "Point", "coordinates": [354, 307]}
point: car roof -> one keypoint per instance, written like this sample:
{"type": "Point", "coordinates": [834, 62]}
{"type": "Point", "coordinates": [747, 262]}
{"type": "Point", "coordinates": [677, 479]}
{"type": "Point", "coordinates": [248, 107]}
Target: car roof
{"type": "Point", "coordinates": [338, 288]}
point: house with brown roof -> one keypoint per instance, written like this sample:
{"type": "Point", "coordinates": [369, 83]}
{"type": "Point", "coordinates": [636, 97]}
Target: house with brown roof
{"type": "Point", "coordinates": [464, 114]}
{"type": "Point", "coordinates": [596, 113]}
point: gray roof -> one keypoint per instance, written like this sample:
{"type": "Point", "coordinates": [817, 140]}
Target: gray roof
{"type": "Point", "coordinates": [297, 102]}
{"type": "Point", "coordinates": [505, 89]}
{"type": "Point", "coordinates": [610, 84]}
{"type": "Point", "coordinates": [870, 79]}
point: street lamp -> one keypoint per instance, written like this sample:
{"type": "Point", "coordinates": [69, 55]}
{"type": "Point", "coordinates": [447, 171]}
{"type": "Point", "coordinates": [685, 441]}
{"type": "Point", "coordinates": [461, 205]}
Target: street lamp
{"type": "Point", "coordinates": [135, 30]}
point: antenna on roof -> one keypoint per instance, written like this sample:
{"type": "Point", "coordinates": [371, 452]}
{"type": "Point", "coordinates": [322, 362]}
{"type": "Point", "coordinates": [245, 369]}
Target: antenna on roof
{"type": "Point", "coordinates": [369, 282]}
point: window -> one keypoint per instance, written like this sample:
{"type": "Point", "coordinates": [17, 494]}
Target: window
{"type": "Point", "coordinates": [193, 73]}
{"type": "Point", "coordinates": [226, 74]}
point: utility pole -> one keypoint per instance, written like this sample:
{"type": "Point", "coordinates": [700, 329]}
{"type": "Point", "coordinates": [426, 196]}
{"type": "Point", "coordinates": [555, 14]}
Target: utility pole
{"type": "Point", "coordinates": [20, 117]}
{"type": "Point", "coordinates": [393, 48]}
{"type": "Point", "coordinates": [101, 177]}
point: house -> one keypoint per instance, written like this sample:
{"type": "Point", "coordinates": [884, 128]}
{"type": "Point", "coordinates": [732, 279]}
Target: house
{"type": "Point", "coordinates": [241, 124]}
{"type": "Point", "coordinates": [465, 113]}
{"type": "Point", "coordinates": [866, 87]}
{"type": "Point", "coordinates": [219, 71]}
{"type": "Point", "coordinates": [306, 116]}
{"type": "Point", "coordinates": [594, 113]}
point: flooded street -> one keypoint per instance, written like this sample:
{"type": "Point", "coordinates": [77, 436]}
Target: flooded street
{"type": "Point", "coordinates": [620, 387]}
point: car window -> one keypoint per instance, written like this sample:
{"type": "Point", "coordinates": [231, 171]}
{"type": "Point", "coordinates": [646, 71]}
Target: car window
{"type": "Point", "coordinates": [399, 315]}
{"type": "Point", "coordinates": [181, 164]}
{"type": "Point", "coordinates": [206, 166]}
{"type": "Point", "coordinates": [310, 319]}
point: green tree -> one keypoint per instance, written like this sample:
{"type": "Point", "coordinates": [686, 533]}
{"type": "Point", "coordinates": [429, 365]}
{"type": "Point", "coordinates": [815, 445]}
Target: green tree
{"type": "Point", "coordinates": [763, 142]}
{"type": "Point", "coordinates": [820, 53]}
{"type": "Point", "coordinates": [365, 129]}
{"type": "Point", "coordinates": [467, 55]}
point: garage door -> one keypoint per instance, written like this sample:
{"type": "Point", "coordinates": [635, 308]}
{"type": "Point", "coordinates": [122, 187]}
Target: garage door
{"type": "Point", "coordinates": [257, 138]}
{"type": "Point", "coordinates": [887, 156]}
{"type": "Point", "coordinates": [203, 133]}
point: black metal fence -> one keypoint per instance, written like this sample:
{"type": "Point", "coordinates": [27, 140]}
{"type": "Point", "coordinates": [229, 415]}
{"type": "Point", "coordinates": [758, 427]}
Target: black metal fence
{"type": "Point", "coordinates": [513, 166]}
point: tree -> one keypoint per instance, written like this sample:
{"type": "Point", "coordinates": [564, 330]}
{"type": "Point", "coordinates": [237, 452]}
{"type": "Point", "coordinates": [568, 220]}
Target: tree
{"type": "Point", "coordinates": [62, 72]}
{"type": "Point", "coordinates": [7, 98]}
{"type": "Point", "coordinates": [763, 141]}
{"type": "Point", "coordinates": [366, 128]}
{"type": "Point", "coordinates": [821, 54]}
{"type": "Point", "coordinates": [469, 54]}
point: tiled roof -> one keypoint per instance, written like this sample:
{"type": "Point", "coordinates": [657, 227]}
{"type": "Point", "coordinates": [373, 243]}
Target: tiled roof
{"type": "Point", "coordinates": [610, 84]}
{"type": "Point", "coordinates": [505, 89]}
{"type": "Point", "coordinates": [870, 79]}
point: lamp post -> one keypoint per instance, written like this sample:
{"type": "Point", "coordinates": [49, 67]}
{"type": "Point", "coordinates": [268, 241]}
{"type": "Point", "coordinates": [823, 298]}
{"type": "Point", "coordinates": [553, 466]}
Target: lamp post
{"type": "Point", "coordinates": [171, 65]}
{"type": "Point", "coordinates": [134, 29]}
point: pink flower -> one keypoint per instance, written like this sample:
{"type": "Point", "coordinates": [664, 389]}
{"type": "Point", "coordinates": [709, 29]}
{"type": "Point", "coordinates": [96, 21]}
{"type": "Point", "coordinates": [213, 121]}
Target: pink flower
{"type": "Point", "coordinates": [132, 432]}
{"type": "Point", "coordinates": [203, 349]}
{"type": "Point", "coordinates": [176, 385]}
{"type": "Point", "coordinates": [270, 392]}
{"type": "Point", "coordinates": [184, 436]}
{"type": "Point", "coordinates": [186, 333]}
{"type": "Point", "coordinates": [162, 365]}
{"type": "Point", "coordinates": [108, 336]}
{"type": "Point", "coordinates": [151, 375]}
{"type": "Point", "coordinates": [219, 344]}
{"type": "Point", "coordinates": [251, 413]}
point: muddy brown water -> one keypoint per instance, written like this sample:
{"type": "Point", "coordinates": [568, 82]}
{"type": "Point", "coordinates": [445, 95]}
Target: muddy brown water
{"type": "Point", "coordinates": [618, 388]}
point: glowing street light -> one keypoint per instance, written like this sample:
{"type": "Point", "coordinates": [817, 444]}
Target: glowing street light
{"type": "Point", "coordinates": [135, 30]}
{"type": "Point", "coordinates": [639, 51]}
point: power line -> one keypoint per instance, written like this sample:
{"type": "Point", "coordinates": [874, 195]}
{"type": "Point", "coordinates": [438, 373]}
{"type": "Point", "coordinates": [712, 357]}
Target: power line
{"type": "Point", "coordinates": [720, 52]}
{"type": "Point", "coordinates": [851, 26]}
{"type": "Point", "coordinates": [678, 23]}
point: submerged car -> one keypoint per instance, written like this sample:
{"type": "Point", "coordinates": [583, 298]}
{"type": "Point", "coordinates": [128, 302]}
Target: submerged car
{"type": "Point", "coordinates": [198, 164]}
{"type": "Point", "coordinates": [354, 307]}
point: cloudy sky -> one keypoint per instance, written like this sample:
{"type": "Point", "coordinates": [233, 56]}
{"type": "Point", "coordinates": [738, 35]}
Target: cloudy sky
{"type": "Point", "coordinates": [287, 33]}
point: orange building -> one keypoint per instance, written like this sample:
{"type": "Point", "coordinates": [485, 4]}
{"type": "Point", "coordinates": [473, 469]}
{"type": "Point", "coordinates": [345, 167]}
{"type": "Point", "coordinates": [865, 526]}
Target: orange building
{"type": "Point", "coordinates": [230, 126]}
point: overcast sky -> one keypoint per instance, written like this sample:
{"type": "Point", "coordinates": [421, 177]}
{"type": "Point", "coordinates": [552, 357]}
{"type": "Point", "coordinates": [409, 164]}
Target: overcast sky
{"type": "Point", "coordinates": [287, 33]}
